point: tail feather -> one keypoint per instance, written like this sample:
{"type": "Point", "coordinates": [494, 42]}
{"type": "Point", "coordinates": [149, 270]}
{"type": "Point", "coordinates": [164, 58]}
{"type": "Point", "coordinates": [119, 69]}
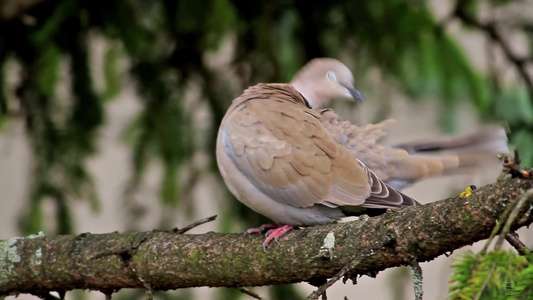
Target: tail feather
{"type": "Point", "coordinates": [402, 164]}
{"type": "Point", "coordinates": [447, 156]}
{"type": "Point", "coordinates": [491, 139]}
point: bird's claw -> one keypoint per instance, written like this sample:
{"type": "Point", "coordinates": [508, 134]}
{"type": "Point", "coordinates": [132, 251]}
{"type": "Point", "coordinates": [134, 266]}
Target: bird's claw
{"type": "Point", "coordinates": [262, 228]}
{"type": "Point", "coordinates": [275, 234]}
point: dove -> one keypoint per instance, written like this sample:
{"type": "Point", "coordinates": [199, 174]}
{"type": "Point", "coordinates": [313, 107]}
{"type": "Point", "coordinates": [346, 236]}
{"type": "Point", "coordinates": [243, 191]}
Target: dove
{"type": "Point", "coordinates": [286, 157]}
{"type": "Point", "coordinates": [277, 157]}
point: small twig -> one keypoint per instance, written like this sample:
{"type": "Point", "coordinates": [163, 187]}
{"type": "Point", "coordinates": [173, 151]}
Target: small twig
{"type": "Point", "coordinates": [498, 226]}
{"type": "Point", "coordinates": [417, 280]}
{"type": "Point", "coordinates": [195, 224]}
{"type": "Point", "coordinates": [512, 166]}
{"type": "Point", "coordinates": [322, 289]}
{"type": "Point", "coordinates": [249, 293]}
{"type": "Point", "coordinates": [512, 238]}
{"type": "Point", "coordinates": [508, 218]}
{"type": "Point", "coordinates": [512, 216]}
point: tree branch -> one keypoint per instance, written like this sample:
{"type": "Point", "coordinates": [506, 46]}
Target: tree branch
{"type": "Point", "coordinates": [512, 238]}
{"type": "Point", "coordinates": [167, 260]}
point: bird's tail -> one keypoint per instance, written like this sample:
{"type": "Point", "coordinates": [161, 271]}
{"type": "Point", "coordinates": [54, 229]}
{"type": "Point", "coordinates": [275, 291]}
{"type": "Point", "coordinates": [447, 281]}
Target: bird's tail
{"type": "Point", "coordinates": [463, 154]}
{"type": "Point", "coordinates": [491, 139]}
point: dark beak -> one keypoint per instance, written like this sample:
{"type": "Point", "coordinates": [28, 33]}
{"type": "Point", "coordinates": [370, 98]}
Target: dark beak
{"type": "Point", "coordinates": [355, 93]}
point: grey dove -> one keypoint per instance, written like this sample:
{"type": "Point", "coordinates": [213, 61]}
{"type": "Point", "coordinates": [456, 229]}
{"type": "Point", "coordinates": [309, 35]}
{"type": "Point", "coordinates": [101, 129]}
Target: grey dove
{"type": "Point", "coordinates": [299, 165]}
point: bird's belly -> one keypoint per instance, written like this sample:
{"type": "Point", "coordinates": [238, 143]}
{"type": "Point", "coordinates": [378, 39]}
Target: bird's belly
{"type": "Point", "coordinates": [246, 192]}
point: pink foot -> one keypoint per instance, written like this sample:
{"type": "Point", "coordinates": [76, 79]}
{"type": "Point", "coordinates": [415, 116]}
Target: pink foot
{"type": "Point", "coordinates": [275, 231]}
{"type": "Point", "coordinates": [275, 234]}
{"type": "Point", "coordinates": [261, 228]}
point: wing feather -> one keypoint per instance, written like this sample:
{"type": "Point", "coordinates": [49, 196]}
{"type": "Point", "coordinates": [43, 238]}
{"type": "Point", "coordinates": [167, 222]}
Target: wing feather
{"type": "Point", "coordinates": [287, 153]}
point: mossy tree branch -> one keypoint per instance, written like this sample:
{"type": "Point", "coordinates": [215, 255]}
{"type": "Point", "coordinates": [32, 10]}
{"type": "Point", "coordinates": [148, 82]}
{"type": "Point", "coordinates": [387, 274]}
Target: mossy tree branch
{"type": "Point", "coordinates": [167, 260]}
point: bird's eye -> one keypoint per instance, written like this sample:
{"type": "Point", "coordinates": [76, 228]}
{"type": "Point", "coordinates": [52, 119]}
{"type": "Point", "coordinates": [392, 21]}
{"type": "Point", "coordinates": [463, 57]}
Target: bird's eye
{"type": "Point", "coordinates": [331, 76]}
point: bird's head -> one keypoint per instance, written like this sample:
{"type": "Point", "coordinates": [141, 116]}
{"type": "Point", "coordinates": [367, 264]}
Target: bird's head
{"type": "Point", "coordinates": [324, 79]}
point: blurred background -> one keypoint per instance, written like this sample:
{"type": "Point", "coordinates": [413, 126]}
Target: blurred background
{"type": "Point", "coordinates": [109, 109]}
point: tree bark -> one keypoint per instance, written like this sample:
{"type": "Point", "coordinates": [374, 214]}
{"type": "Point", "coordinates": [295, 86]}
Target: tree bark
{"type": "Point", "coordinates": [166, 260]}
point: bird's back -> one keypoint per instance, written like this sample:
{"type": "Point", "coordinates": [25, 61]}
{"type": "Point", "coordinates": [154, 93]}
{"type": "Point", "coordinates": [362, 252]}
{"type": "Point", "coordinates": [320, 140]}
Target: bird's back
{"type": "Point", "coordinates": [280, 145]}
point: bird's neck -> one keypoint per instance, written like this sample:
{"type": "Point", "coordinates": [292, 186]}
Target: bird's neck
{"type": "Point", "coordinates": [311, 97]}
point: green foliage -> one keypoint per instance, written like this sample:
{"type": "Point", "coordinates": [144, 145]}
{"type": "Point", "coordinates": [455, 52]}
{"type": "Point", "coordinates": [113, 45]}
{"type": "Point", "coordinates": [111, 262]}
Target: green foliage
{"type": "Point", "coordinates": [523, 139]}
{"type": "Point", "coordinates": [49, 63]}
{"type": "Point", "coordinates": [111, 70]}
{"type": "Point", "coordinates": [61, 133]}
{"type": "Point", "coordinates": [494, 275]}
{"type": "Point", "coordinates": [516, 107]}
{"type": "Point", "coordinates": [412, 48]}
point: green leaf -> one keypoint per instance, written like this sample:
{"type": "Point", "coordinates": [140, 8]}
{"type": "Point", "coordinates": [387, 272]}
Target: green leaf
{"type": "Point", "coordinates": [523, 141]}
{"type": "Point", "coordinates": [48, 75]}
{"type": "Point", "coordinates": [169, 191]}
{"type": "Point", "coordinates": [495, 275]}
{"type": "Point", "coordinates": [112, 72]}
